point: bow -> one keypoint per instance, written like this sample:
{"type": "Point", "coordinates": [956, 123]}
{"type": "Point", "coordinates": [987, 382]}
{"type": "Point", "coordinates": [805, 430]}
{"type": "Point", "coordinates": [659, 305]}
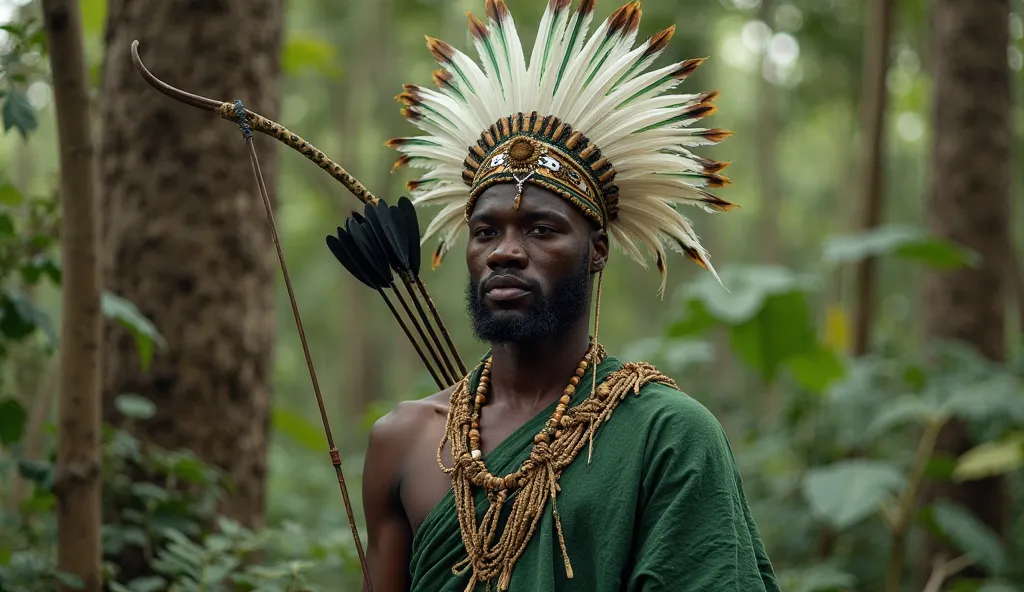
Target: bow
{"type": "Point", "coordinates": [373, 247]}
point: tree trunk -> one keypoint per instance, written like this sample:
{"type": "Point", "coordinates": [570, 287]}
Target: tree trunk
{"type": "Point", "coordinates": [767, 135]}
{"type": "Point", "coordinates": [877, 36]}
{"type": "Point", "coordinates": [77, 483]}
{"type": "Point", "coordinates": [969, 203]}
{"type": "Point", "coordinates": [188, 241]}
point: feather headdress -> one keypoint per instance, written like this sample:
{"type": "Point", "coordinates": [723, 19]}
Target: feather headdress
{"type": "Point", "coordinates": [583, 118]}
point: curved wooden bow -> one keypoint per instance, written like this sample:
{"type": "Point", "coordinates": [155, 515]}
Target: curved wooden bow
{"type": "Point", "coordinates": [248, 120]}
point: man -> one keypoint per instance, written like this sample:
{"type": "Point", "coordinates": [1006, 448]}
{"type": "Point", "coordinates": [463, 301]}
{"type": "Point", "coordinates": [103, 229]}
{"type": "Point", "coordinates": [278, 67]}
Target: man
{"type": "Point", "coordinates": [554, 466]}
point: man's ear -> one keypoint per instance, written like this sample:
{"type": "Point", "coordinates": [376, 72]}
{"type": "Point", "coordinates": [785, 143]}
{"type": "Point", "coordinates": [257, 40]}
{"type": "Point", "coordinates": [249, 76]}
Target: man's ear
{"type": "Point", "coordinates": [598, 250]}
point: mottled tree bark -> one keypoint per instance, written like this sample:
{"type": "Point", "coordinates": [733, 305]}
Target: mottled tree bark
{"type": "Point", "coordinates": [969, 203]}
{"type": "Point", "coordinates": [77, 482]}
{"type": "Point", "coordinates": [188, 239]}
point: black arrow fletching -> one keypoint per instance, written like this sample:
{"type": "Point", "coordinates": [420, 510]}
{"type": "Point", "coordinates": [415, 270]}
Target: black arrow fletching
{"type": "Point", "coordinates": [379, 221]}
{"type": "Point", "coordinates": [346, 252]}
{"type": "Point", "coordinates": [411, 226]}
{"type": "Point", "coordinates": [372, 252]}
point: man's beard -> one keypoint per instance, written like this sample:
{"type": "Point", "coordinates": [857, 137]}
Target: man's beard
{"type": "Point", "coordinates": [549, 315]}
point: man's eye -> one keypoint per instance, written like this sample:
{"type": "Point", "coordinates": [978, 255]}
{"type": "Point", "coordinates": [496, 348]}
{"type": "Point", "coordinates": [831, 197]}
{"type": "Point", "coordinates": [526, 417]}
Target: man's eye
{"type": "Point", "coordinates": [484, 232]}
{"type": "Point", "coordinates": [541, 230]}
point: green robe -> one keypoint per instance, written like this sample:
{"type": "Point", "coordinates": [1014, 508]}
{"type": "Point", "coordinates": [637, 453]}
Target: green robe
{"type": "Point", "coordinates": [659, 507]}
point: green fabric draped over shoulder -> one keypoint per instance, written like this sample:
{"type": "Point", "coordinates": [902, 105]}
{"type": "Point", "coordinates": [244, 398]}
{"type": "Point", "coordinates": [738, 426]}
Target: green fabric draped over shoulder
{"type": "Point", "coordinates": [659, 507]}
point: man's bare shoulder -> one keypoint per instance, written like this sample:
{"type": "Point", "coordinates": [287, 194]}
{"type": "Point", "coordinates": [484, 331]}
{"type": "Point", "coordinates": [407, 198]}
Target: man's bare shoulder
{"type": "Point", "coordinates": [406, 420]}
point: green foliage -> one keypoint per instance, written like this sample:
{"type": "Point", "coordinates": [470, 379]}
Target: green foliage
{"type": "Point", "coordinates": [911, 244]}
{"type": "Point", "coordinates": [19, 66]}
{"type": "Point", "coordinates": [142, 330]}
{"type": "Point", "coordinates": [970, 536]}
{"type": "Point", "coordinates": [854, 438]}
{"type": "Point", "coordinates": [164, 504]}
{"type": "Point", "coordinates": [846, 492]}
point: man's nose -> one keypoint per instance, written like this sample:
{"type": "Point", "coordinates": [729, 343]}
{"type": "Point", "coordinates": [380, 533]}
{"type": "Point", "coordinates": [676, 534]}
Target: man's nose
{"type": "Point", "coordinates": [508, 252]}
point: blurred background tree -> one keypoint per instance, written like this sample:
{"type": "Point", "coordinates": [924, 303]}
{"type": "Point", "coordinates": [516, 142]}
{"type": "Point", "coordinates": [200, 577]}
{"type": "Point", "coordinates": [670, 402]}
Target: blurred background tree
{"type": "Point", "coordinates": [882, 136]}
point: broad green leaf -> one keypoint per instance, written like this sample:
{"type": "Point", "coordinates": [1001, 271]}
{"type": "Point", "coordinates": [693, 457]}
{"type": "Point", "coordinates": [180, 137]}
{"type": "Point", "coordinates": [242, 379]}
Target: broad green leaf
{"type": "Point", "coordinates": [38, 266]}
{"type": "Point", "coordinates": [70, 580]}
{"type": "Point", "coordinates": [144, 332]}
{"type": "Point", "coordinates": [846, 492]}
{"type": "Point", "coordinates": [780, 331]}
{"type": "Point", "coordinates": [147, 584]}
{"type": "Point", "coordinates": [12, 421]}
{"type": "Point", "coordinates": [909, 243]}
{"type": "Point", "coordinates": [6, 225]}
{"type": "Point", "coordinates": [18, 113]}
{"type": "Point", "coordinates": [817, 369]}
{"type": "Point", "coordinates": [135, 406]}
{"type": "Point", "coordinates": [970, 535]}
{"type": "Point", "coordinates": [149, 491]}
{"type": "Point", "coordinates": [38, 472]}
{"type": "Point", "coordinates": [745, 292]}
{"type": "Point", "coordinates": [309, 52]}
{"type": "Point", "coordinates": [10, 195]}
{"type": "Point", "coordinates": [906, 409]}
{"type": "Point", "coordinates": [1001, 396]}
{"type": "Point", "coordinates": [19, 318]}
{"type": "Point", "coordinates": [299, 430]}
{"type": "Point", "coordinates": [818, 578]}
{"type": "Point", "coordinates": [991, 458]}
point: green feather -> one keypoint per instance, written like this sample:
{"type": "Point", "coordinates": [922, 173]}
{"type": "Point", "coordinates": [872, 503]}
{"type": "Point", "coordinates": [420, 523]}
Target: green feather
{"type": "Point", "coordinates": [603, 51]}
{"type": "Point", "coordinates": [646, 89]}
{"type": "Point", "coordinates": [568, 50]}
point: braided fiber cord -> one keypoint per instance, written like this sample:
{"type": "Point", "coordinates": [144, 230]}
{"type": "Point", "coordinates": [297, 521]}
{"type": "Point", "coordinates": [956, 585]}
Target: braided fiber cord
{"type": "Point", "coordinates": [536, 480]}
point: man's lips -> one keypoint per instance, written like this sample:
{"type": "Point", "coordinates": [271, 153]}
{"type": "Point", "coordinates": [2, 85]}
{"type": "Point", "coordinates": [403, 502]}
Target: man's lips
{"type": "Point", "coordinates": [505, 288]}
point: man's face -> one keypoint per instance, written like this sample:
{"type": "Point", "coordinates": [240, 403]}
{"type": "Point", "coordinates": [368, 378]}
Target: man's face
{"type": "Point", "coordinates": [529, 270]}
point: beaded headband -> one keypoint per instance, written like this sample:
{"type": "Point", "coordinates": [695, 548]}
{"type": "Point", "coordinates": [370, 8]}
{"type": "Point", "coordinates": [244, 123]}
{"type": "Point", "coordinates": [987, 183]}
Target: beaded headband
{"type": "Point", "coordinates": [583, 118]}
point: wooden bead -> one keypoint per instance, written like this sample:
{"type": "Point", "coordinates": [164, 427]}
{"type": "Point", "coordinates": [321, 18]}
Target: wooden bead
{"type": "Point", "coordinates": [474, 433]}
{"type": "Point", "coordinates": [480, 400]}
{"type": "Point", "coordinates": [570, 390]}
{"type": "Point", "coordinates": [580, 372]}
{"type": "Point", "coordinates": [584, 365]}
{"type": "Point", "coordinates": [541, 437]}
{"type": "Point", "coordinates": [564, 422]}
{"type": "Point", "coordinates": [575, 380]}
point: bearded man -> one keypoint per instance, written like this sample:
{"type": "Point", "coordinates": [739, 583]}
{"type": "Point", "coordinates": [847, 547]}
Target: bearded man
{"type": "Point", "coordinates": [553, 465]}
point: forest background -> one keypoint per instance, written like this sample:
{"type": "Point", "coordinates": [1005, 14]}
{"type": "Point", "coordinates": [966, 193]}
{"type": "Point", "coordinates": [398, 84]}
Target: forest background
{"type": "Point", "coordinates": [866, 362]}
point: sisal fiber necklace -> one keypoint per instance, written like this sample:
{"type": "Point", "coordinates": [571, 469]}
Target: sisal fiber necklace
{"type": "Point", "coordinates": [555, 446]}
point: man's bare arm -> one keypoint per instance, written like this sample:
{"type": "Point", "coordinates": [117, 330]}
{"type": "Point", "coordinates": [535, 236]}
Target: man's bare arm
{"type": "Point", "coordinates": [389, 544]}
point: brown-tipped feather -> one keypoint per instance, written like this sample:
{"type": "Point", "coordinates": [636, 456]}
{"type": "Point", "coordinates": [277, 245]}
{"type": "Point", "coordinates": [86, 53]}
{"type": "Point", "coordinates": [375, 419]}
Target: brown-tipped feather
{"type": "Point", "coordinates": [443, 52]}
{"type": "Point", "coordinates": [716, 203]}
{"type": "Point", "coordinates": [559, 5]}
{"type": "Point", "coordinates": [497, 10]}
{"type": "Point", "coordinates": [686, 68]}
{"type": "Point", "coordinates": [715, 135]}
{"type": "Point", "coordinates": [411, 114]}
{"type": "Point", "coordinates": [586, 7]}
{"type": "Point", "coordinates": [709, 97]}
{"type": "Point", "coordinates": [617, 21]}
{"type": "Point", "coordinates": [634, 18]}
{"type": "Point", "coordinates": [659, 41]}
{"type": "Point", "coordinates": [712, 166]}
{"type": "Point", "coordinates": [700, 110]}
{"type": "Point", "coordinates": [408, 98]}
{"type": "Point", "coordinates": [694, 255]}
{"type": "Point", "coordinates": [396, 142]}
{"type": "Point", "coordinates": [442, 78]}
{"type": "Point", "coordinates": [402, 161]}
{"type": "Point", "coordinates": [435, 259]}
{"type": "Point", "coordinates": [717, 181]}
{"type": "Point", "coordinates": [476, 26]}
